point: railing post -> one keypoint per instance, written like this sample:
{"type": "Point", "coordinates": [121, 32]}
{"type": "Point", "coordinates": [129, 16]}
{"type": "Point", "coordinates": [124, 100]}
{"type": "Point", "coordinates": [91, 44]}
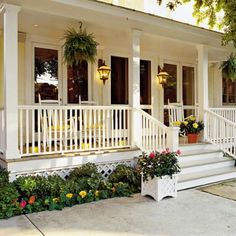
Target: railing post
{"type": "Point", "coordinates": [136, 128]}
{"type": "Point", "coordinates": [172, 138]}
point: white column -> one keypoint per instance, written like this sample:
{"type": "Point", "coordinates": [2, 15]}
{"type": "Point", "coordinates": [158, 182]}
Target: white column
{"type": "Point", "coordinates": [11, 79]}
{"type": "Point", "coordinates": [202, 79]}
{"type": "Point", "coordinates": [134, 84]}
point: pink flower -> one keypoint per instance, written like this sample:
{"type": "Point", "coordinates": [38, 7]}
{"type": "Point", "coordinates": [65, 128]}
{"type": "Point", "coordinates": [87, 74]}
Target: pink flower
{"type": "Point", "coordinates": [164, 152]}
{"type": "Point", "coordinates": [167, 150]}
{"type": "Point", "coordinates": [152, 155]}
{"type": "Point", "coordinates": [178, 152]}
{"type": "Point", "coordinates": [23, 204]}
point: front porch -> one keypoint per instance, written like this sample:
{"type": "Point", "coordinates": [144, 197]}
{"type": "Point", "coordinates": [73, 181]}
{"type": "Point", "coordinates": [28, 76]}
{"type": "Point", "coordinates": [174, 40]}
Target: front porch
{"type": "Point", "coordinates": [130, 115]}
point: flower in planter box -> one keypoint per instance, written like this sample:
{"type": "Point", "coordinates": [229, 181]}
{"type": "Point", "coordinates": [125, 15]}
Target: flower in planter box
{"type": "Point", "coordinates": [158, 164]}
{"type": "Point", "coordinates": [97, 193]}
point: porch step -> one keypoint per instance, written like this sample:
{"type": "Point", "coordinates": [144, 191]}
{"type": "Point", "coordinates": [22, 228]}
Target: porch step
{"type": "Point", "coordinates": [203, 164]}
{"type": "Point", "coordinates": [205, 177]}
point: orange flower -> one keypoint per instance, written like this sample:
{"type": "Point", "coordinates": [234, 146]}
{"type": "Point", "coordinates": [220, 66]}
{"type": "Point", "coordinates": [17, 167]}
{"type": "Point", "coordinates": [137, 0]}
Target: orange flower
{"type": "Point", "coordinates": [113, 189]}
{"type": "Point", "coordinates": [32, 200]}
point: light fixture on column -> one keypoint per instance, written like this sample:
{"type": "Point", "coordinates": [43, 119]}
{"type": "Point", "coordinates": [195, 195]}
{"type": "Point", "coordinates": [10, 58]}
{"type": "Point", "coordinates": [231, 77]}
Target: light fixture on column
{"type": "Point", "coordinates": [103, 70]}
{"type": "Point", "coordinates": [162, 77]}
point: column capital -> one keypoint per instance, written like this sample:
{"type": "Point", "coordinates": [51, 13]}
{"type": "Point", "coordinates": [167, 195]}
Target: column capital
{"type": "Point", "coordinates": [203, 47]}
{"type": "Point", "coordinates": [136, 32]}
{"type": "Point", "coordinates": [9, 8]}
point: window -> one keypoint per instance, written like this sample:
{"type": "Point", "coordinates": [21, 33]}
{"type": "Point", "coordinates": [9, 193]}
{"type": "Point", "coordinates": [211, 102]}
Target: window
{"type": "Point", "coordinates": [229, 91]}
{"type": "Point", "coordinates": [45, 73]}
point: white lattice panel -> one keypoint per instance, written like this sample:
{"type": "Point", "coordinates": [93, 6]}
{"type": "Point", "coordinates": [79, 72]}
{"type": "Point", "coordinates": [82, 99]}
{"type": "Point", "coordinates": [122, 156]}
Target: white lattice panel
{"type": "Point", "coordinates": [104, 168]}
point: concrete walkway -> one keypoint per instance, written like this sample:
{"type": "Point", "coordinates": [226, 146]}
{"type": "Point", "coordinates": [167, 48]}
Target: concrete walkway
{"type": "Point", "coordinates": [192, 213]}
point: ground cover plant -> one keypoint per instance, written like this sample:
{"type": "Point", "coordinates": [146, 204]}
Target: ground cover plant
{"type": "Point", "coordinates": [84, 184]}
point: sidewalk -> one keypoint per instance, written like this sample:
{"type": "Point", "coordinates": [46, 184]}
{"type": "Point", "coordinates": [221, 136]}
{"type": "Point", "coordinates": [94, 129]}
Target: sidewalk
{"type": "Point", "coordinates": [192, 213]}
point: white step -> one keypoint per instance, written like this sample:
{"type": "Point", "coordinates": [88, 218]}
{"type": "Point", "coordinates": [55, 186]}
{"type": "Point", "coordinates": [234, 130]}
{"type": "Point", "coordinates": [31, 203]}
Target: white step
{"type": "Point", "coordinates": [197, 146]}
{"type": "Point", "coordinates": [207, 164]}
{"type": "Point", "coordinates": [205, 177]}
{"type": "Point", "coordinates": [194, 155]}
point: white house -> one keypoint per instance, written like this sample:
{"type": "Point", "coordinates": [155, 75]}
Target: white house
{"type": "Point", "coordinates": [128, 113]}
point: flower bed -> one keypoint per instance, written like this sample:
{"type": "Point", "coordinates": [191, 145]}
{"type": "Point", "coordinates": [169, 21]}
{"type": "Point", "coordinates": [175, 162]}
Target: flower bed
{"type": "Point", "coordinates": [84, 184]}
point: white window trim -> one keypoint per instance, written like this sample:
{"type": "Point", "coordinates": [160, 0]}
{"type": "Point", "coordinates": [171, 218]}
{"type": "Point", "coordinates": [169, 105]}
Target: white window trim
{"type": "Point", "coordinates": [60, 72]}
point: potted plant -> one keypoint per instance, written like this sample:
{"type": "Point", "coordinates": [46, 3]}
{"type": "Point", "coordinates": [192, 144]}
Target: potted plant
{"type": "Point", "coordinates": [228, 67]}
{"type": "Point", "coordinates": [191, 128]}
{"type": "Point", "coordinates": [159, 174]}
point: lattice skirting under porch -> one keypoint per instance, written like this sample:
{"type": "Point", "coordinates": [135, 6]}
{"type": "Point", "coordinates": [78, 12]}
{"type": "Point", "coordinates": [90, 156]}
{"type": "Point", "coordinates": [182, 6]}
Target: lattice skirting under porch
{"type": "Point", "coordinates": [104, 168]}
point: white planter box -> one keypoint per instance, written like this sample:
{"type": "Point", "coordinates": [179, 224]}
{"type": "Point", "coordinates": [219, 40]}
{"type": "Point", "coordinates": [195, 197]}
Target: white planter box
{"type": "Point", "coordinates": [158, 188]}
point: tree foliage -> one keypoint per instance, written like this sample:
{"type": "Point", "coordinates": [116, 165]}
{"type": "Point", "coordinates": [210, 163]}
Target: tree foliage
{"type": "Point", "coordinates": [208, 9]}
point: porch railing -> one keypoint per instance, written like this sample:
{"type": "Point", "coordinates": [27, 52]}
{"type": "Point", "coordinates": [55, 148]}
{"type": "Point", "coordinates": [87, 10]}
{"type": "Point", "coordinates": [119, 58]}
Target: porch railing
{"type": "Point", "coordinates": [2, 130]}
{"type": "Point", "coordinates": [51, 129]}
{"type": "Point", "coordinates": [154, 135]}
{"type": "Point", "coordinates": [227, 113]}
{"type": "Point", "coordinates": [220, 131]}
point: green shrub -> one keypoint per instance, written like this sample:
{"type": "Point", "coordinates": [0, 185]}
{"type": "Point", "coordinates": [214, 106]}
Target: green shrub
{"type": "Point", "coordinates": [8, 201]}
{"type": "Point", "coordinates": [86, 170]}
{"type": "Point", "coordinates": [4, 177]}
{"type": "Point", "coordinates": [39, 186]}
{"type": "Point", "coordinates": [127, 175]}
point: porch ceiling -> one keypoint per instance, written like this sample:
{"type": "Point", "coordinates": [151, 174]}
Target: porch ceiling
{"type": "Point", "coordinates": [112, 25]}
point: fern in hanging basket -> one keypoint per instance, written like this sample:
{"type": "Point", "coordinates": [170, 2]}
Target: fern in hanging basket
{"type": "Point", "coordinates": [228, 67]}
{"type": "Point", "coordinates": [79, 46]}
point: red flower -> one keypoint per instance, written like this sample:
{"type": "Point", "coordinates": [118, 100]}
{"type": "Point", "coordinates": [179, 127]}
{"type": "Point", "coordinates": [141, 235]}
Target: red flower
{"type": "Point", "coordinates": [23, 204]}
{"type": "Point", "coordinates": [152, 155]}
{"type": "Point", "coordinates": [178, 152]}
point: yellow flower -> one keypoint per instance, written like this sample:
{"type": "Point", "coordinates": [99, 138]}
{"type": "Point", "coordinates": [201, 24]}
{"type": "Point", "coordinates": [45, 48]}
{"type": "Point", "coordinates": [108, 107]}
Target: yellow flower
{"type": "Point", "coordinates": [192, 118]}
{"type": "Point", "coordinates": [83, 194]}
{"type": "Point", "coordinates": [56, 199]}
{"type": "Point", "coordinates": [195, 125]}
{"type": "Point", "coordinates": [176, 123]}
{"type": "Point", "coordinates": [97, 193]}
{"type": "Point", "coordinates": [185, 123]}
{"type": "Point", "coordinates": [69, 195]}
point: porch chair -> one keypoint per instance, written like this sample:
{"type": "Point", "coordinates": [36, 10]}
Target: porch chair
{"type": "Point", "coordinates": [86, 102]}
{"type": "Point", "coordinates": [51, 123]}
{"type": "Point", "coordinates": [175, 112]}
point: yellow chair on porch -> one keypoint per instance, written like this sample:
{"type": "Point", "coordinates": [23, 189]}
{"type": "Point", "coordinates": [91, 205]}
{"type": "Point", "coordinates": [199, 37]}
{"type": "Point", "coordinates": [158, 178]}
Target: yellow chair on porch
{"type": "Point", "coordinates": [55, 127]}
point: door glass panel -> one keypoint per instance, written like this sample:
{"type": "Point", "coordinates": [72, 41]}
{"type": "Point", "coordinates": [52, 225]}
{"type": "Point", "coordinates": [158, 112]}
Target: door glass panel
{"type": "Point", "coordinates": [145, 82]}
{"type": "Point", "coordinates": [46, 73]}
{"type": "Point", "coordinates": [170, 88]}
{"type": "Point", "coordinates": [188, 85]}
{"type": "Point", "coordinates": [119, 80]}
{"type": "Point", "coordinates": [77, 84]}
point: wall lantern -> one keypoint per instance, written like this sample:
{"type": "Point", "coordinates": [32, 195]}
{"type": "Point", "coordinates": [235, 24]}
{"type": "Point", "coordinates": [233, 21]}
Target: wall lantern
{"type": "Point", "coordinates": [162, 77]}
{"type": "Point", "coordinates": [103, 70]}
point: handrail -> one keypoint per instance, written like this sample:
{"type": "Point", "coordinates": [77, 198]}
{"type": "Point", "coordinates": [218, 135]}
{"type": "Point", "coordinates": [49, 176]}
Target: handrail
{"type": "Point", "coordinates": [154, 135]}
{"type": "Point", "coordinates": [221, 132]}
{"type": "Point", "coordinates": [228, 113]}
